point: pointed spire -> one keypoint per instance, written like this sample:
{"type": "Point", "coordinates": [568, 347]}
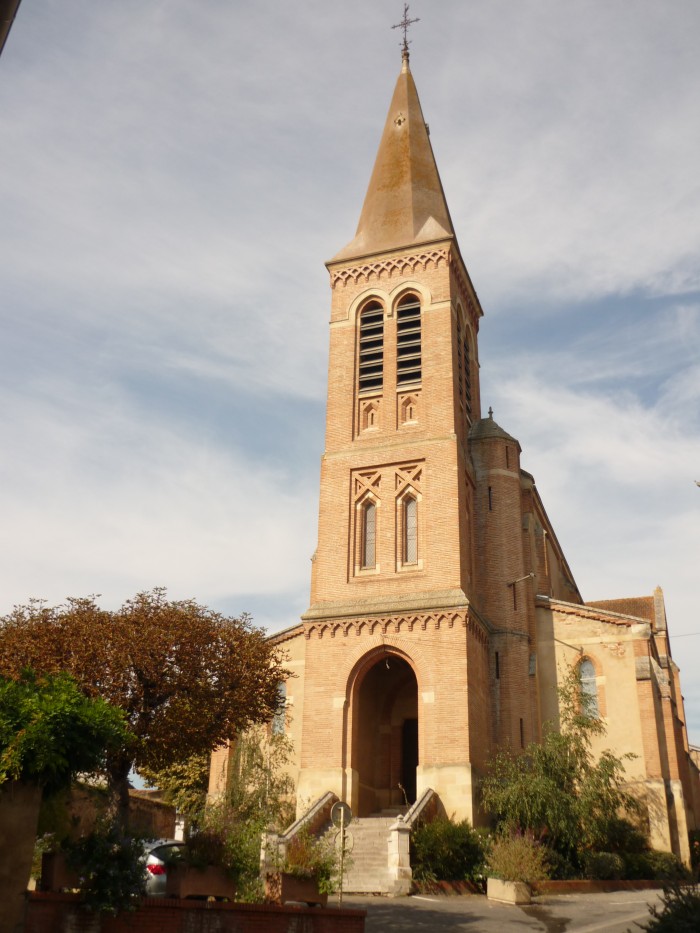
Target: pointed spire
{"type": "Point", "coordinates": [405, 204]}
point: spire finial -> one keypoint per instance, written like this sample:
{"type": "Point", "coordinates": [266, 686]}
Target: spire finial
{"type": "Point", "coordinates": [404, 24]}
{"type": "Point", "coordinates": [490, 413]}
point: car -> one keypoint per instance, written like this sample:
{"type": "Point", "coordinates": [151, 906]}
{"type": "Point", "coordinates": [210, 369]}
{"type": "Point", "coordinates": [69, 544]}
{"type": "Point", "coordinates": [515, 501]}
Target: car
{"type": "Point", "coordinates": [160, 854]}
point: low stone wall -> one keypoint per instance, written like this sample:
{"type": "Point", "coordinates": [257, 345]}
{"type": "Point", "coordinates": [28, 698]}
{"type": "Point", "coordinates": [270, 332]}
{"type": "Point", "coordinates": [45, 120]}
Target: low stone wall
{"type": "Point", "coordinates": [62, 913]}
{"type": "Point", "coordinates": [592, 887]}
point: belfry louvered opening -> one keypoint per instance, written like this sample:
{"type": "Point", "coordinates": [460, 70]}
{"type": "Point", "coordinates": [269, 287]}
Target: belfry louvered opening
{"type": "Point", "coordinates": [371, 366]}
{"type": "Point", "coordinates": [464, 370]}
{"type": "Point", "coordinates": [408, 342]}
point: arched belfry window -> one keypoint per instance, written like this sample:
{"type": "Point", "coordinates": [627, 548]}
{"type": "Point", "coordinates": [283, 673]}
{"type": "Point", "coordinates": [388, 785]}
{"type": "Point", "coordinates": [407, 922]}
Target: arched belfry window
{"type": "Point", "coordinates": [467, 376]}
{"type": "Point", "coordinates": [408, 341]}
{"type": "Point", "coordinates": [410, 530]}
{"type": "Point", "coordinates": [464, 369]}
{"type": "Point", "coordinates": [368, 541]}
{"type": "Point", "coordinates": [371, 355]}
{"type": "Point", "coordinates": [589, 689]}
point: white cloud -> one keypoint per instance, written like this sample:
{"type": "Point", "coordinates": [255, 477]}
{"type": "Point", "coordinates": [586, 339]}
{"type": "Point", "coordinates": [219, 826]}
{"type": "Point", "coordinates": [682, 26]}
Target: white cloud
{"type": "Point", "coordinates": [99, 501]}
{"type": "Point", "coordinates": [173, 178]}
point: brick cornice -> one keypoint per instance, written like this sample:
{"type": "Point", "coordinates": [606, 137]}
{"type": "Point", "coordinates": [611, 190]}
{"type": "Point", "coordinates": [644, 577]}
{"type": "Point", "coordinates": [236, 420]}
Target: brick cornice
{"type": "Point", "coordinates": [398, 624]}
{"type": "Point", "coordinates": [402, 264]}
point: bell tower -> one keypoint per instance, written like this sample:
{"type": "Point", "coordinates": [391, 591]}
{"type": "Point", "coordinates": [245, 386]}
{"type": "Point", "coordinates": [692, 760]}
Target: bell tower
{"type": "Point", "coordinates": [395, 572]}
{"type": "Point", "coordinates": [403, 392]}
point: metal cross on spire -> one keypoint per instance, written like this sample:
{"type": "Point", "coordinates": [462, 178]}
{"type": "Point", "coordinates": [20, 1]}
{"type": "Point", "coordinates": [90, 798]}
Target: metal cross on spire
{"type": "Point", "coordinates": [404, 24]}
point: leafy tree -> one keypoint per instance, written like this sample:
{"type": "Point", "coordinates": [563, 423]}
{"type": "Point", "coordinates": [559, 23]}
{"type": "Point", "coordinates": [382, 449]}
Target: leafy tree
{"type": "Point", "coordinates": [183, 785]}
{"type": "Point", "coordinates": [259, 786]}
{"type": "Point", "coordinates": [49, 731]}
{"type": "Point", "coordinates": [187, 678]}
{"type": "Point", "coordinates": [557, 790]}
{"type": "Point", "coordinates": [258, 796]}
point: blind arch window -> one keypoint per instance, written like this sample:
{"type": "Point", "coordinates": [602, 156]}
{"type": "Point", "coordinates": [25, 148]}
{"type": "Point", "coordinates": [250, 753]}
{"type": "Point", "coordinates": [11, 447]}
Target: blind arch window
{"type": "Point", "coordinates": [589, 689]}
{"type": "Point", "coordinates": [371, 351]}
{"type": "Point", "coordinates": [410, 530]}
{"type": "Point", "coordinates": [368, 543]}
{"type": "Point", "coordinates": [408, 341]}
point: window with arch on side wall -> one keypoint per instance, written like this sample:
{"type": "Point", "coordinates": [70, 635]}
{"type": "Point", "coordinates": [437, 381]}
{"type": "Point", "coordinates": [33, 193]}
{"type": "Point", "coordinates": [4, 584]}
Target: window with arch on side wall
{"type": "Point", "coordinates": [278, 724]}
{"type": "Point", "coordinates": [589, 689]}
{"type": "Point", "coordinates": [409, 548]}
{"type": "Point", "coordinates": [370, 377]}
{"type": "Point", "coordinates": [408, 341]}
{"type": "Point", "coordinates": [368, 535]}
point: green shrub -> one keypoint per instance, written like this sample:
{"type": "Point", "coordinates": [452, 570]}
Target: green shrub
{"type": "Point", "coordinates": [603, 866]}
{"type": "Point", "coordinates": [666, 866]}
{"type": "Point", "coordinates": [653, 865]}
{"type": "Point", "coordinates": [226, 840]}
{"type": "Point", "coordinates": [559, 866]}
{"type": "Point", "coordinates": [624, 835]}
{"type": "Point", "coordinates": [637, 866]}
{"type": "Point", "coordinates": [310, 857]}
{"type": "Point", "coordinates": [112, 868]}
{"type": "Point", "coordinates": [447, 851]}
{"type": "Point", "coordinates": [518, 857]}
{"type": "Point", "coordinates": [679, 913]}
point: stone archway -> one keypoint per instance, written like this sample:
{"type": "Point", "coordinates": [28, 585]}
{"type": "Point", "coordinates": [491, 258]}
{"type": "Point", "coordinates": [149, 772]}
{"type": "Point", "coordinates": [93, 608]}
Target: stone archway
{"type": "Point", "coordinates": [384, 753]}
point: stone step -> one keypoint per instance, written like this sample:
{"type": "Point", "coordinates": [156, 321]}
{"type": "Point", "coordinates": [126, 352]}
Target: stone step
{"type": "Point", "coordinates": [368, 872]}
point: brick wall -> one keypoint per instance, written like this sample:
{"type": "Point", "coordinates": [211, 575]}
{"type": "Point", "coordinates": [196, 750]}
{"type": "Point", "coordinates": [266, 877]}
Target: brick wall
{"type": "Point", "coordinates": [61, 913]}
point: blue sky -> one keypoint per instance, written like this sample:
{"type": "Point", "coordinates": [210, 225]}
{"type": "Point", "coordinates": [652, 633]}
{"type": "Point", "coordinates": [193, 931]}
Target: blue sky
{"type": "Point", "coordinates": [175, 174]}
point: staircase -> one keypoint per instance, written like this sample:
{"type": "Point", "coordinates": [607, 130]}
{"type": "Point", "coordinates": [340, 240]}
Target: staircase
{"type": "Point", "coordinates": [368, 872]}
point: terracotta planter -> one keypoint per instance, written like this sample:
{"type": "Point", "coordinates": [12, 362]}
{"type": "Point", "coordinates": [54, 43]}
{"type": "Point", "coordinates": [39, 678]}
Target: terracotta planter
{"type": "Point", "coordinates": [188, 881]}
{"type": "Point", "coordinates": [508, 892]}
{"type": "Point", "coordinates": [281, 888]}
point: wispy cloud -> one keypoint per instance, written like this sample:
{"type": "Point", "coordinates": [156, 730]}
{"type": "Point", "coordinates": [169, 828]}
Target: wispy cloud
{"type": "Point", "coordinates": [175, 175]}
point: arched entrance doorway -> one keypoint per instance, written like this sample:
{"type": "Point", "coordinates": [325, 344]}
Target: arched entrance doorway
{"type": "Point", "coordinates": [385, 734]}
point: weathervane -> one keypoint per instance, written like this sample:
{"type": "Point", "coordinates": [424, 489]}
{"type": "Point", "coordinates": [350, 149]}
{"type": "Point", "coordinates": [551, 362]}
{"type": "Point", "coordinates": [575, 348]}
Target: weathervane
{"type": "Point", "coordinates": [404, 24]}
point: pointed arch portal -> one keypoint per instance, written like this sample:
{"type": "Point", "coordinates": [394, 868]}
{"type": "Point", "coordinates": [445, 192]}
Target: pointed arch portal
{"type": "Point", "coordinates": [384, 751]}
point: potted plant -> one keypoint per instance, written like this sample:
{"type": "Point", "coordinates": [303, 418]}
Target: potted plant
{"type": "Point", "coordinates": [308, 873]}
{"type": "Point", "coordinates": [515, 861]}
{"type": "Point", "coordinates": [203, 870]}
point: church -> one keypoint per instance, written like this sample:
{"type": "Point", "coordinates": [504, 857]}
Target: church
{"type": "Point", "coordinates": [443, 614]}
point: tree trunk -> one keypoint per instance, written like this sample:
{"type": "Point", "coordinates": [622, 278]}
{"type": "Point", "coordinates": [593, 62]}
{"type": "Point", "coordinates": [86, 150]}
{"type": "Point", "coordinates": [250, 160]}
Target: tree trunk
{"type": "Point", "coordinates": [19, 818]}
{"type": "Point", "coordinates": [118, 778]}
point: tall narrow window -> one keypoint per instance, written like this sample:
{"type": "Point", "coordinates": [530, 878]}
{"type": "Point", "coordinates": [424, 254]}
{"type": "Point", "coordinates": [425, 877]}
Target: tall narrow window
{"type": "Point", "coordinates": [464, 377]}
{"type": "Point", "coordinates": [410, 531]}
{"type": "Point", "coordinates": [278, 720]}
{"type": "Point", "coordinates": [408, 350]}
{"type": "Point", "coordinates": [466, 363]}
{"type": "Point", "coordinates": [371, 366]}
{"type": "Point", "coordinates": [369, 535]}
{"type": "Point", "coordinates": [460, 363]}
{"type": "Point", "coordinates": [589, 689]}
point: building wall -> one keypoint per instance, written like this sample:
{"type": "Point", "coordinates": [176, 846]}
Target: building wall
{"type": "Point", "coordinates": [637, 706]}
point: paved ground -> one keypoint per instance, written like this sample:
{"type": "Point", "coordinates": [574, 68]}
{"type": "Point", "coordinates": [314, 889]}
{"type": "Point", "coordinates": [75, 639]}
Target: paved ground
{"type": "Point", "coordinates": [563, 913]}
